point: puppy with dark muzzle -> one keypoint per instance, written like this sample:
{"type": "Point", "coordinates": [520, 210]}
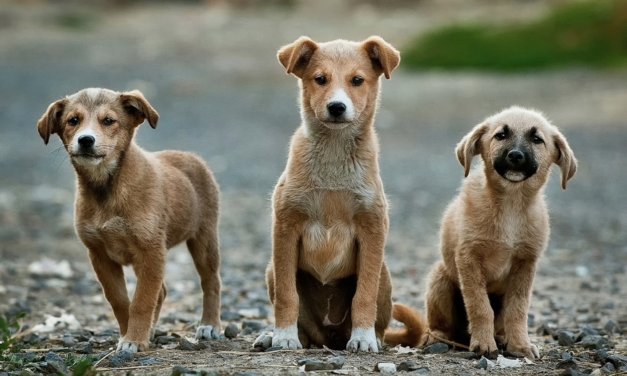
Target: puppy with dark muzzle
{"type": "Point", "coordinates": [494, 232]}
{"type": "Point", "coordinates": [132, 206]}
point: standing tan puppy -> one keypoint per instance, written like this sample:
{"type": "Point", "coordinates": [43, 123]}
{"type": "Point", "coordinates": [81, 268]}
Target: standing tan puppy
{"type": "Point", "coordinates": [494, 232]}
{"type": "Point", "coordinates": [327, 279]}
{"type": "Point", "coordinates": [132, 206]}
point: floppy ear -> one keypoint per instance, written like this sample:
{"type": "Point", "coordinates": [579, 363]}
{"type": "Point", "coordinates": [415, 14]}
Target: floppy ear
{"type": "Point", "coordinates": [296, 56]}
{"type": "Point", "coordinates": [50, 122]}
{"type": "Point", "coordinates": [470, 146]}
{"type": "Point", "coordinates": [135, 103]}
{"type": "Point", "coordinates": [383, 56]}
{"type": "Point", "coordinates": [565, 158]}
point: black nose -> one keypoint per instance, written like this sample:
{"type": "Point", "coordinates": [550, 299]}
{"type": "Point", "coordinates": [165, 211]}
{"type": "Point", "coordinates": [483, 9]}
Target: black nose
{"type": "Point", "coordinates": [336, 108]}
{"type": "Point", "coordinates": [516, 156]}
{"type": "Point", "coordinates": [86, 141]}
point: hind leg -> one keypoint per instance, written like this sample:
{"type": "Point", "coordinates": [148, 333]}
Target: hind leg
{"type": "Point", "coordinates": [440, 305]}
{"type": "Point", "coordinates": [205, 252]}
{"type": "Point", "coordinates": [384, 304]}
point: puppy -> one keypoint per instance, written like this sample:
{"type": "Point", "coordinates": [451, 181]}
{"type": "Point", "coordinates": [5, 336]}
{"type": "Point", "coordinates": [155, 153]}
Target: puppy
{"type": "Point", "coordinates": [494, 232]}
{"type": "Point", "coordinates": [132, 206]}
{"type": "Point", "coordinates": [327, 279]}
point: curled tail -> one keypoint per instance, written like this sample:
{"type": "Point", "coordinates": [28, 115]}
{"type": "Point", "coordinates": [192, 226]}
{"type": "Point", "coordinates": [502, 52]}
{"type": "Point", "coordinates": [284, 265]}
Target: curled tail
{"type": "Point", "coordinates": [414, 332]}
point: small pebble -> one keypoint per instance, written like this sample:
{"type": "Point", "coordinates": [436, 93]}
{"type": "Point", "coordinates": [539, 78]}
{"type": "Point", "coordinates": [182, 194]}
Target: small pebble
{"type": "Point", "coordinates": [385, 368]}
{"type": "Point", "coordinates": [423, 370]}
{"type": "Point", "coordinates": [230, 316]}
{"type": "Point", "coordinates": [566, 364]}
{"type": "Point", "coordinates": [601, 356]}
{"type": "Point", "coordinates": [612, 328]}
{"type": "Point", "coordinates": [436, 348]}
{"type": "Point", "coordinates": [608, 368]}
{"type": "Point", "coordinates": [482, 363]}
{"type": "Point", "coordinates": [55, 363]}
{"type": "Point", "coordinates": [164, 340]}
{"type": "Point", "coordinates": [406, 365]}
{"type": "Point", "coordinates": [231, 331]}
{"type": "Point", "coordinates": [566, 356]}
{"type": "Point", "coordinates": [565, 338]}
{"type": "Point", "coordinates": [150, 362]}
{"type": "Point", "coordinates": [125, 355]}
{"type": "Point", "coordinates": [593, 342]}
{"type": "Point", "coordinates": [185, 345]}
{"type": "Point", "coordinates": [617, 360]}
{"type": "Point", "coordinates": [84, 348]}
{"type": "Point", "coordinates": [180, 370]}
{"type": "Point", "coordinates": [274, 348]}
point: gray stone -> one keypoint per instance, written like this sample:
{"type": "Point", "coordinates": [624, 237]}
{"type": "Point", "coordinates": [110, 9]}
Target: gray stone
{"type": "Point", "coordinates": [185, 345]}
{"type": "Point", "coordinates": [566, 364]}
{"type": "Point", "coordinates": [247, 331]}
{"type": "Point", "coordinates": [423, 370]}
{"type": "Point", "coordinates": [164, 340]}
{"type": "Point", "coordinates": [611, 327]}
{"type": "Point", "coordinates": [601, 356]}
{"type": "Point", "coordinates": [406, 365]}
{"type": "Point", "coordinates": [566, 356]}
{"type": "Point", "coordinates": [565, 338]}
{"type": "Point", "coordinates": [608, 368]}
{"type": "Point", "coordinates": [482, 363]}
{"type": "Point", "coordinates": [160, 333]}
{"type": "Point", "coordinates": [83, 348]}
{"type": "Point", "coordinates": [318, 365]}
{"type": "Point", "coordinates": [337, 361]}
{"type": "Point", "coordinates": [231, 331]}
{"type": "Point", "coordinates": [67, 341]}
{"type": "Point", "coordinates": [617, 360]}
{"type": "Point", "coordinates": [436, 348]}
{"type": "Point", "coordinates": [125, 355]}
{"type": "Point", "coordinates": [55, 364]}
{"type": "Point", "coordinates": [593, 342]}
{"type": "Point", "coordinates": [150, 362]}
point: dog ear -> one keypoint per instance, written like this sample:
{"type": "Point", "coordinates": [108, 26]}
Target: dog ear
{"type": "Point", "coordinates": [136, 104]}
{"type": "Point", "coordinates": [383, 56]}
{"type": "Point", "coordinates": [50, 122]}
{"type": "Point", "coordinates": [470, 146]}
{"type": "Point", "coordinates": [565, 158]}
{"type": "Point", "coordinates": [296, 56]}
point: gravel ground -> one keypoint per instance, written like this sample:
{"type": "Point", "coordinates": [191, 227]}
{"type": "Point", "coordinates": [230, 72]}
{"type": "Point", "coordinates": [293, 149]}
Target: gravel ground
{"type": "Point", "coordinates": [214, 79]}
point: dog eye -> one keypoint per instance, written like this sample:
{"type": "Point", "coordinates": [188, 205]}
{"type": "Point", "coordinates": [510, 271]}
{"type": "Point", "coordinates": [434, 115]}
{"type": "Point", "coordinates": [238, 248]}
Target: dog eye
{"type": "Point", "coordinates": [321, 80]}
{"type": "Point", "coordinates": [73, 121]}
{"type": "Point", "coordinates": [500, 136]}
{"type": "Point", "coordinates": [357, 81]}
{"type": "Point", "coordinates": [537, 140]}
{"type": "Point", "coordinates": [108, 121]}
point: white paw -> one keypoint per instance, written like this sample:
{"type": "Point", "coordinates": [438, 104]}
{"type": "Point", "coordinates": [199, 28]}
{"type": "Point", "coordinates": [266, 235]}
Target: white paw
{"type": "Point", "coordinates": [207, 332]}
{"type": "Point", "coordinates": [286, 338]}
{"type": "Point", "coordinates": [264, 341]}
{"type": "Point", "coordinates": [124, 345]}
{"type": "Point", "coordinates": [363, 340]}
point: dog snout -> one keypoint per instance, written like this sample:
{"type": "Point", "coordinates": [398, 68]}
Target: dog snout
{"type": "Point", "coordinates": [336, 108]}
{"type": "Point", "coordinates": [516, 156]}
{"type": "Point", "coordinates": [86, 141]}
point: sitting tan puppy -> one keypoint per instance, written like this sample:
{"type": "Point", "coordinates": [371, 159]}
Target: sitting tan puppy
{"type": "Point", "coordinates": [132, 206]}
{"type": "Point", "coordinates": [327, 279]}
{"type": "Point", "coordinates": [494, 232]}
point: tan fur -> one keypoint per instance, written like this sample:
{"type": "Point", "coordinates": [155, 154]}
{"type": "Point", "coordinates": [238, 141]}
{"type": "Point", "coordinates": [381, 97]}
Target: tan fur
{"type": "Point", "coordinates": [132, 206]}
{"type": "Point", "coordinates": [492, 236]}
{"type": "Point", "coordinates": [330, 215]}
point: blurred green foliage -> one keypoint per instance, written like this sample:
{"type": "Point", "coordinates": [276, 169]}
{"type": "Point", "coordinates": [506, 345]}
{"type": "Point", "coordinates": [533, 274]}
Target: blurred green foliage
{"type": "Point", "coordinates": [590, 33]}
{"type": "Point", "coordinates": [77, 21]}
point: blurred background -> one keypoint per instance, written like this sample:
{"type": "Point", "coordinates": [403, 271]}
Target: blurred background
{"type": "Point", "coordinates": [210, 70]}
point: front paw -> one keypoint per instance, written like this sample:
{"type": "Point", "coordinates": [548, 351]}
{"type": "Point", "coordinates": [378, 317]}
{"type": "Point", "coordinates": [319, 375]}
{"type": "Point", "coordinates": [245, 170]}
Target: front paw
{"type": "Point", "coordinates": [287, 338]}
{"type": "Point", "coordinates": [484, 345]}
{"type": "Point", "coordinates": [363, 340]}
{"type": "Point", "coordinates": [531, 351]}
{"type": "Point", "coordinates": [132, 346]}
{"type": "Point", "coordinates": [208, 332]}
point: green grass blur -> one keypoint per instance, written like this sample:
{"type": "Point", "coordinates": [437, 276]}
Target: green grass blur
{"type": "Point", "coordinates": [589, 33]}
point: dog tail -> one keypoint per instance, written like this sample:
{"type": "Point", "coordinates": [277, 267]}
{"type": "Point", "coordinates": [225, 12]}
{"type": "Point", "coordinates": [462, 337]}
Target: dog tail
{"type": "Point", "coordinates": [414, 332]}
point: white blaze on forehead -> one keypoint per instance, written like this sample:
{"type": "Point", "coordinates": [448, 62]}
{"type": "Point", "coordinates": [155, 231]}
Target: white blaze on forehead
{"type": "Point", "coordinates": [92, 92]}
{"type": "Point", "coordinates": [341, 96]}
